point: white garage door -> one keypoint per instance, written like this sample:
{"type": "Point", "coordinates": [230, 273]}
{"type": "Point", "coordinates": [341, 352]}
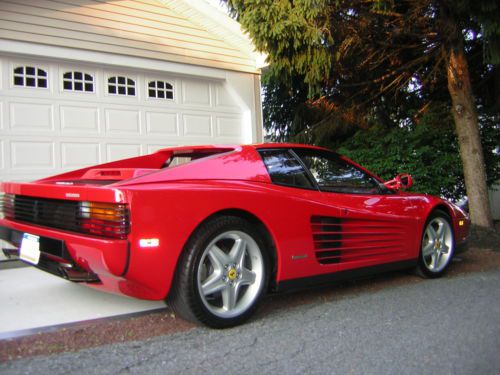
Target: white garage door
{"type": "Point", "coordinates": [57, 116]}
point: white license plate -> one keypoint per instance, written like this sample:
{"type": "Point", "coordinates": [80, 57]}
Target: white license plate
{"type": "Point", "coordinates": [30, 248]}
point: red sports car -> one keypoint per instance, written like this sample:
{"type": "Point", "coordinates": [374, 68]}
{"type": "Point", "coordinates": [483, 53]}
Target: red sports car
{"type": "Point", "coordinates": [212, 228]}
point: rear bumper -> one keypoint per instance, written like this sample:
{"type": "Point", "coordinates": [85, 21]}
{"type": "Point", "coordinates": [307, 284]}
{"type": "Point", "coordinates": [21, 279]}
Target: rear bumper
{"type": "Point", "coordinates": [71, 256]}
{"type": "Point", "coordinates": [54, 257]}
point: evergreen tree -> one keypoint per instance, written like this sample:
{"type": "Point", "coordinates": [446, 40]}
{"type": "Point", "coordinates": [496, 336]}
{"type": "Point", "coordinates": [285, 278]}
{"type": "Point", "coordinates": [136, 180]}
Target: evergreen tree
{"type": "Point", "coordinates": [365, 62]}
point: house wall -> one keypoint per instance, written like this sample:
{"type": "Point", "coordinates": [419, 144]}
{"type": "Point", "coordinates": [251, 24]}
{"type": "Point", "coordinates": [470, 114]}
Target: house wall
{"type": "Point", "coordinates": [494, 196]}
{"type": "Point", "coordinates": [142, 28]}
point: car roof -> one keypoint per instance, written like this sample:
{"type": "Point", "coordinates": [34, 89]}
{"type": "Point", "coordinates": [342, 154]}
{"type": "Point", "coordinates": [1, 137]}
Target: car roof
{"type": "Point", "coordinates": [257, 146]}
{"type": "Point", "coordinates": [285, 145]}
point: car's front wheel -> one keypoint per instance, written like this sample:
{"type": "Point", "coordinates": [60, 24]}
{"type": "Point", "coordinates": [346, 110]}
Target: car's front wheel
{"type": "Point", "coordinates": [437, 246]}
{"type": "Point", "coordinates": [222, 274]}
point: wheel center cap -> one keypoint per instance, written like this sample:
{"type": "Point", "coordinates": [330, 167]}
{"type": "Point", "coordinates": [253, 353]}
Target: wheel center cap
{"type": "Point", "coordinates": [232, 274]}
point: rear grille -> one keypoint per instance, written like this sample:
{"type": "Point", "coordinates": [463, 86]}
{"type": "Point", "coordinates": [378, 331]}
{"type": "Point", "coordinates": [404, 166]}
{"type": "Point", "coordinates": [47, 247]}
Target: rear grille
{"type": "Point", "coordinates": [342, 240]}
{"type": "Point", "coordinates": [102, 219]}
{"type": "Point", "coordinates": [45, 212]}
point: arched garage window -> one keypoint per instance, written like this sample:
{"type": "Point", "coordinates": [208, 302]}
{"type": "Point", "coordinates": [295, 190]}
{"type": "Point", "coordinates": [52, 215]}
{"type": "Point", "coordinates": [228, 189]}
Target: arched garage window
{"type": "Point", "coordinates": [160, 90]}
{"type": "Point", "coordinates": [120, 85]}
{"type": "Point", "coordinates": [30, 76]}
{"type": "Point", "coordinates": [78, 81]}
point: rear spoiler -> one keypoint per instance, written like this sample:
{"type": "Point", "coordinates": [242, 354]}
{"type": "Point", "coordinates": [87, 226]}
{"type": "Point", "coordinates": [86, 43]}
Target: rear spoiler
{"type": "Point", "coordinates": [67, 192]}
{"type": "Point", "coordinates": [151, 161]}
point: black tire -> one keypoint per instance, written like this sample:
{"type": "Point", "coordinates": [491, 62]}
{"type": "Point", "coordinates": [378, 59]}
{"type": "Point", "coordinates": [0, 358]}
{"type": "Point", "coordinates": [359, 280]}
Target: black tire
{"type": "Point", "coordinates": [200, 270]}
{"type": "Point", "coordinates": [436, 248]}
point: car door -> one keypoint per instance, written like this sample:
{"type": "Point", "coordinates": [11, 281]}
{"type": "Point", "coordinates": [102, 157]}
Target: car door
{"type": "Point", "coordinates": [294, 200]}
{"type": "Point", "coordinates": [360, 223]}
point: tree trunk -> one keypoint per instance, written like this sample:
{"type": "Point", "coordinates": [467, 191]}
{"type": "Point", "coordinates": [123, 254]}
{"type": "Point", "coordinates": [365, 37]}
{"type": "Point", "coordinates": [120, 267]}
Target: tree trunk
{"type": "Point", "coordinates": [467, 128]}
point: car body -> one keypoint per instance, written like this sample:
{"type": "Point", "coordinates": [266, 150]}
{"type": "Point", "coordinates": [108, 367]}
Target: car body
{"type": "Point", "coordinates": [145, 227]}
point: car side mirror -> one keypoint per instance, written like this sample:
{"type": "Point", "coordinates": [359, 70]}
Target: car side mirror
{"type": "Point", "coordinates": [402, 181]}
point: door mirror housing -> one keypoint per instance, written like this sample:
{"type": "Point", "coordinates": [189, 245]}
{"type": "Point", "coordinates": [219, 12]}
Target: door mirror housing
{"type": "Point", "coordinates": [402, 181]}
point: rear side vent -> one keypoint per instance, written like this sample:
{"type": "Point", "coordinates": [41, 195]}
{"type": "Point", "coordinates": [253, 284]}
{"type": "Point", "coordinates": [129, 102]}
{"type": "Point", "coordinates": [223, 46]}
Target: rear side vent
{"type": "Point", "coordinates": [351, 239]}
{"type": "Point", "coordinates": [327, 237]}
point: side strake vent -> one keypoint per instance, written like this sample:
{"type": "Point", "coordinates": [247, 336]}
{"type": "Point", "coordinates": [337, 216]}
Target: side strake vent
{"type": "Point", "coordinates": [343, 240]}
{"type": "Point", "coordinates": [327, 237]}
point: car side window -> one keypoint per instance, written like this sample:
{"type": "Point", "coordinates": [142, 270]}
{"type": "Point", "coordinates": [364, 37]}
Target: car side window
{"type": "Point", "coordinates": [334, 174]}
{"type": "Point", "coordinates": [285, 169]}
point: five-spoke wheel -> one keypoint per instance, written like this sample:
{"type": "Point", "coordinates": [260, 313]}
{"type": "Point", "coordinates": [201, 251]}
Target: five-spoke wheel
{"type": "Point", "coordinates": [223, 273]}
{"type": "Point", "coordinates": [437, 245]}
{"type": "Point", "coordinates": [230, 274]}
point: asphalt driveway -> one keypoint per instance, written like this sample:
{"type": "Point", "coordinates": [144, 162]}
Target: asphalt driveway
{"type": "Point", "coordinates": [445, 326]}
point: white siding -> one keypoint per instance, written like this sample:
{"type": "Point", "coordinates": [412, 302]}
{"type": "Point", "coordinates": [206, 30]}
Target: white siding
{"type": "Point", "coordinates": [142, 28]}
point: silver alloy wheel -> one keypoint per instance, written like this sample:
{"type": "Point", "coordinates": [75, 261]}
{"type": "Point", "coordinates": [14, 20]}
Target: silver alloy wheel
{"type": "Point", "coordinates": [437, 244]}
{"type": "Point", "coordinates": [230, 274]}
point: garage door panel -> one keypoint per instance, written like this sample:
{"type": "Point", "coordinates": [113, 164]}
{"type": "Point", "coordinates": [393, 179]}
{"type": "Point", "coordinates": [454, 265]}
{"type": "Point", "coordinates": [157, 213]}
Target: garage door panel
{"type": "Point", "coordinates": [122, 121]}
{"type": "Point", "coordinates": [223, 97]}
{"type": "Point", "coordinates": [196, 93]}
{"type": "Point", "coordinates": [79, 120]}
{"type": "Point", "coordinates": [229, 127]}
{"type": "Point", "coordinates": [197, 125]}
{"type": "Point", "coordinates": [1, 116]}
{"type": "Point", "coordinates": [31, 117]}
{"type": "Point", "coordinates": [78, 155]}
{"type": "Point", "coordinates": [2, 154]}
{"type": "Point", "coordinates": [162, 123]}
{"type": "Point", "coordinates": [118, 151]}
{"type": "Point", "coordinates": [33, 155]}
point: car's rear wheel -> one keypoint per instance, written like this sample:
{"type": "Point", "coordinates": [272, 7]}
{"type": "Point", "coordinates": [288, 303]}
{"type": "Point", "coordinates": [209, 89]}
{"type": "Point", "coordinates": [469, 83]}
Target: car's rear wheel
{"type": "Point", "coordinates": [222, 274]}
{"type": "Point", "coordinates": [437, 246]}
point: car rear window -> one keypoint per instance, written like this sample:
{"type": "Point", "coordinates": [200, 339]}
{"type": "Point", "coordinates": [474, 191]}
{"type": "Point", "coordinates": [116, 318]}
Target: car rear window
{"type": "Point", "coordinates": [177, 159]}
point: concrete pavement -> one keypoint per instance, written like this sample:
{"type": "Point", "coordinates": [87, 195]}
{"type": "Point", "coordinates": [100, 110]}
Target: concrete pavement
{"type": "Point", "coordinates": [32, 300]}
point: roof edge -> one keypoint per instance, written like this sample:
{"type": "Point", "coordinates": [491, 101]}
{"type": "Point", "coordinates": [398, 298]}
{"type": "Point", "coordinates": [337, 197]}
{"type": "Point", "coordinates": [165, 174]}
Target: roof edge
{"type": "Point", "coordinates": [218, 23]}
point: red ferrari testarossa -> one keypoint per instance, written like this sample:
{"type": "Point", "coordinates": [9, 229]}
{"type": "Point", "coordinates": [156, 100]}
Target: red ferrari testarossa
{"type": "Point", "coordinates": [212, 228]}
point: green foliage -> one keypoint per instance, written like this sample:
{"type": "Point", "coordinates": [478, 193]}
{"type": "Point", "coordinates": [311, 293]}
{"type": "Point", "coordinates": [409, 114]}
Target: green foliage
{"type": "Point", "coordinates": [487, 14]}
{"type": "Point", "coordinates": [490, 139]}
{"type": "Point", "coordinates": [296, 32]}
{"type": "Point", "coordinates": [428, 151]}
{"type": "Point", "coordinates": [370, 77]}
{"type": "Point", "coordinates": [284, 107]}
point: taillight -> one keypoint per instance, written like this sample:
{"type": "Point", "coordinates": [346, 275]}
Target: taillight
{"type": "Point", "coordinates": [105, 219]}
